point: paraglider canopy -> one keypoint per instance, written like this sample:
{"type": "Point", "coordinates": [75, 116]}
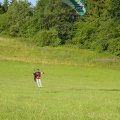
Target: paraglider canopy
{"type": "Point", "coordinates": [77, 5]}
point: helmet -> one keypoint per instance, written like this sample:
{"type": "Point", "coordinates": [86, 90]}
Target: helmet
{"type": "Point", "coordinates": [37, 70]}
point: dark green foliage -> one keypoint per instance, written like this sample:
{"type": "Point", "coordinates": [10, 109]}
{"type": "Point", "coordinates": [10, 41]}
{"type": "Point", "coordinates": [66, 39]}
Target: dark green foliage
{"type": "Point", "coordinates": [56, 15]}
{"type": "Point", "coordinates": [1, 9]}
{"type": "Point", "coordinates": [100, 30]}
{"type": "Point", "coordinates": [49, 23]}
{"type": "Point", "coordinates": [114, 8]}
{"type": "Point", "coordinates": [4, 7]}
{"type": "Point", "coordinates": [47, 38]}
{"type": "Point", "coordinates": [114, 46]}
{"type": "Point", "coordinates": [18, 14]}
{"type": "Point", "coordinates": [3, 23]}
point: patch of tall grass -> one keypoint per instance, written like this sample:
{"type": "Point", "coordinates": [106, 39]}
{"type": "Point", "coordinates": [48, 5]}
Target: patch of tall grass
{"type": "Point", "coordinates": [12, 49]}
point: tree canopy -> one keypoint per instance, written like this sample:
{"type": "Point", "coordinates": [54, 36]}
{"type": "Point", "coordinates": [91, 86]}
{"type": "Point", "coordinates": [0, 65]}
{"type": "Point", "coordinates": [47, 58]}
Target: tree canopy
{"type": "Point", "coordinates": [53, 23]}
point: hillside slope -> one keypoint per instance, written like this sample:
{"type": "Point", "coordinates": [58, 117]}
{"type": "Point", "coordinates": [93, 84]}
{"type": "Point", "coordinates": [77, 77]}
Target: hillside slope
{"type": "Point", "coordinates": [14, 50]}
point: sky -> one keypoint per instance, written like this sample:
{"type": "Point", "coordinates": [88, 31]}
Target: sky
{"type": "Point", "coordinates": [32, 1]}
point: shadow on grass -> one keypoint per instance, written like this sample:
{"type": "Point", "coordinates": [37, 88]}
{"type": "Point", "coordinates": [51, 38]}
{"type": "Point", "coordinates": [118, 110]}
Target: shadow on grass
{"type": "Point", "coordinates": [86, 89]}
{"type": "Point", "coordinates": [81, 90]}
{"type": "Point", "coordinates": [109, 90]}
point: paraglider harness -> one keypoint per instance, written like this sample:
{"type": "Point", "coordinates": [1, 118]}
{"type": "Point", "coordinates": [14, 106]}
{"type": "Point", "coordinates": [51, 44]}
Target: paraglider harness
{"type": "Point", "coordinates": [36, 75]}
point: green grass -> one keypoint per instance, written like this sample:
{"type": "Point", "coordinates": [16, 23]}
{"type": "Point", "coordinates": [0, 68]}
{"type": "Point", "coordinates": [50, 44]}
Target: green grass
{"type": "Point", "coordinates": [14, 50]}
{"type": "Point", "coordinates": [69, 92]}
{"type": "Point", "coordinates": [77, 84]}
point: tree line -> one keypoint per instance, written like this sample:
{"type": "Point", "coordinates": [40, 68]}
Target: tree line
{"type": "Point", "coordinates": [53, 23]}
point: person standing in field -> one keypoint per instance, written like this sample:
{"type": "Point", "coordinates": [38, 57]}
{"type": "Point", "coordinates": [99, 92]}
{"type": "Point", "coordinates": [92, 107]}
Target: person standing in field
{"type": "Point", "coordinates": [37, 77]}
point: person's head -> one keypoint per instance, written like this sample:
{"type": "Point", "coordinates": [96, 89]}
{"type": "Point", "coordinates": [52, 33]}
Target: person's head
{"type": "Point", "coordinates": [37, 70]}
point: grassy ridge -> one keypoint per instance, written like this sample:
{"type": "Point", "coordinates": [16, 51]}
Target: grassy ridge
{"type": "Point", "coordinates": [11, 49]}
{"type": "Point", "coordinates": [69, 92]}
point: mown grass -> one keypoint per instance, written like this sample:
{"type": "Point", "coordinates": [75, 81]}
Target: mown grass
{"type": "Point", "coordinates": [77, 84]}
{"type": "Point", "coordinates": [69, 92]}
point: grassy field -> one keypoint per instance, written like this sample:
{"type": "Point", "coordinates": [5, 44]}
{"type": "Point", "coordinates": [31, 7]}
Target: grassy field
{"type": "Point", "coordinates": [69, 92]}
{"type": "Point", "coordinates": [88, 89]}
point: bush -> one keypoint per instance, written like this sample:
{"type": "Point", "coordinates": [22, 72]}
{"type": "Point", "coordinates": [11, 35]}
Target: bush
{"type": "Point", "coordinates": [14, 29]}
{"type": "Point", "coordinates": [83, 35]}
{"type": "Point", "coordinates": [47, 38]}
{"type": "Point", "coordinates": [114, 46]}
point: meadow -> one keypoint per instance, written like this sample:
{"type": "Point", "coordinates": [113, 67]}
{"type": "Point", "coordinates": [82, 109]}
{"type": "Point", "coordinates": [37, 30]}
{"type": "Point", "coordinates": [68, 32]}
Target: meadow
{"type": "Point", "coordinates": [85, 90]}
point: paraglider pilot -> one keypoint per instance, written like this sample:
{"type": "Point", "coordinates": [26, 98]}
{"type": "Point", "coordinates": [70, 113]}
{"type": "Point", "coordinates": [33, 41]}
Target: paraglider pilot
{"type": "Point", "coordinates": [37, 77]}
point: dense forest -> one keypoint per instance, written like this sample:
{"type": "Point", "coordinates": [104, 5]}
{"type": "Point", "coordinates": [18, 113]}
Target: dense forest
{"type": "Point", "coordinates": [53, 23]}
